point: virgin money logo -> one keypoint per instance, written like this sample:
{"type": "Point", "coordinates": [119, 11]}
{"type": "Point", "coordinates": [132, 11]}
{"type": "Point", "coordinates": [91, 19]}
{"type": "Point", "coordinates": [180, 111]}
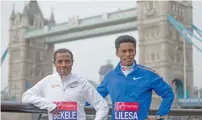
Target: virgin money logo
{"type": "Point", "coordinates": [66, 105]}
{"type": "Point", "coordinates": [119, 106]}
{"type": "Point", "coordinates": [126, 106]}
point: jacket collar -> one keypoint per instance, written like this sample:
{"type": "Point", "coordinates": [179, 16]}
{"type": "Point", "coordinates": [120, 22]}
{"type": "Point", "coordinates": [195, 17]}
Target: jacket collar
{"type": "Point", "coordinates": [118, 67]}
{"type": "Point", "coordinates": [63, 77]}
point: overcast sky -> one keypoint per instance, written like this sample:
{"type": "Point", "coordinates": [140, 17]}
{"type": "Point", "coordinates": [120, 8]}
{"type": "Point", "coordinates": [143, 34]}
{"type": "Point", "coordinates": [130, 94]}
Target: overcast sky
{"type": "Point", "coordinates": [91, 53]}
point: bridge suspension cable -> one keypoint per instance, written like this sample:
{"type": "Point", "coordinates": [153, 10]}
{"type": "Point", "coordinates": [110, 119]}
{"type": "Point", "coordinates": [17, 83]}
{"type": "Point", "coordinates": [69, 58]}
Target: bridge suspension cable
{"type": "Point", "coordinates": [4, 56]}
{"type": "Point", "coordinates": [188, 35]}
{"type": "Point", "coordinates": [197, 30]}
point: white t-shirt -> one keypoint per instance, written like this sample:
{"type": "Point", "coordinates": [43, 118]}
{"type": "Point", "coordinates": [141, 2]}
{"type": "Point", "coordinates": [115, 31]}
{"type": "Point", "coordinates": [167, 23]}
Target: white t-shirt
{"type": "Point", "coordinates": [127, 69]}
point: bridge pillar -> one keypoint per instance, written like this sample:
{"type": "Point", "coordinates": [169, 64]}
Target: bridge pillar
{"type": "Point", "coordinates": [29, 60]}
{"type": "Point", "coordinates": [160, 45]}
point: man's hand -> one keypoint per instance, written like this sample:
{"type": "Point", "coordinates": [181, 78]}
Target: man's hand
{"type": "Point", "coordinates": [55, 111]}
{"type": "Point", "coordinates": [151, 118]}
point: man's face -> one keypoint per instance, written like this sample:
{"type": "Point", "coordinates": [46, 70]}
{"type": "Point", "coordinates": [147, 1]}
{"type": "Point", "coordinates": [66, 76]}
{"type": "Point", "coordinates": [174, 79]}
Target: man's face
{"type": "Point", "coordinates": [126, 52]}
{"type": "Point", "coordinates": [63, 63]}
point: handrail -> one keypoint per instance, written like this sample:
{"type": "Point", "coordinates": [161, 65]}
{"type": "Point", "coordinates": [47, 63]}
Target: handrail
{"type": "Point", "coordinates": [28, 108]}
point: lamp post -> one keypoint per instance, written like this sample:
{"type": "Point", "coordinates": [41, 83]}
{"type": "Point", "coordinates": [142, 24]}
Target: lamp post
{"type": "Point", "coordinates": [185, 71]}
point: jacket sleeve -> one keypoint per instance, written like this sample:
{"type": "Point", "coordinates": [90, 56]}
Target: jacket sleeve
{"type": "Point", "coordinates": [102, 88]}
{"type": "Point", "coordinates": [96, 100]}
{"type": "Point", "coordinates": [34, 96]}
{"type": "Point", "coordinates": [162, 89]}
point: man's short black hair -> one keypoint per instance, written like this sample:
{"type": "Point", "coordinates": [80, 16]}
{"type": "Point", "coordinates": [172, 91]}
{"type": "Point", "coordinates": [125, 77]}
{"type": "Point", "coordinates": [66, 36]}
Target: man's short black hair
{"type": "Point", "coordinates": [123, 39]}
{"type": "Point", "coordinates": [62, 50]}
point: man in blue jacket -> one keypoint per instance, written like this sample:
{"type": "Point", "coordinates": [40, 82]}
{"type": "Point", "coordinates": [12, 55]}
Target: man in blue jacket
{"type": "Point", "coordinates": [130, 85]}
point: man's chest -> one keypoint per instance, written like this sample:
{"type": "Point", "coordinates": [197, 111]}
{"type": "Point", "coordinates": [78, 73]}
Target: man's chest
{"type": "Point", "coordinates": [131, 85]}
{"type": "Point", "coordinates": [70, 92]}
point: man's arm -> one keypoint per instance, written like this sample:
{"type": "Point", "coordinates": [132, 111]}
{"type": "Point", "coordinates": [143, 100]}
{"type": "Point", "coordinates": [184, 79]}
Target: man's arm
{"type": "Point", "coordinates": [96, 100]}
{"type": "Point", "coordinates": [35, 96]}
{"type": "Point", "coordinates": [102, 88]}
{"type": "Point", "coordinates": [165, 91]}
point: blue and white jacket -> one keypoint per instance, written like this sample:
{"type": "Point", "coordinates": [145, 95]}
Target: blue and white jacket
{"type": "Point", "coordinates": [137, 86]}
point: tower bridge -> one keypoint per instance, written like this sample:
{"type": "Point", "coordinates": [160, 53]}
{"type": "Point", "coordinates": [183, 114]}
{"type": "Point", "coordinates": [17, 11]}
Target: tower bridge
{"type": "Point", "coordinates": [32, 39]}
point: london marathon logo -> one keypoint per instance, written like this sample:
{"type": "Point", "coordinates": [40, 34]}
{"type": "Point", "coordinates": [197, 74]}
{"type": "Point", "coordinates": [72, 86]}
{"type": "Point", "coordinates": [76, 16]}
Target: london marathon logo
{"type": "Point", "coordinates": [67, 111]}
{"type": "Point", "coordinates": [126, 110]}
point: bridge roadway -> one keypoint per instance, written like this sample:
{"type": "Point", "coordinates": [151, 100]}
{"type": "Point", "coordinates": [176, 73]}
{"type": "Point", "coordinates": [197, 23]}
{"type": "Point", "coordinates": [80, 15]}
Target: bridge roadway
{"type": "Point", "coordinates": [75, 28]}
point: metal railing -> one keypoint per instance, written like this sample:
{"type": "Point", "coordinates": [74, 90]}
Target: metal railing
{"type": "Point", "coordinates": [28, 108]}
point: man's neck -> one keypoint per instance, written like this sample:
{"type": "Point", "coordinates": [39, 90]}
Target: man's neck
{"type": "Point", "coordinates": [127, 69]}
{"type": "Point", "coordinates": [63, 77]}
{"type": "Point", "coordinates": [127, 65]}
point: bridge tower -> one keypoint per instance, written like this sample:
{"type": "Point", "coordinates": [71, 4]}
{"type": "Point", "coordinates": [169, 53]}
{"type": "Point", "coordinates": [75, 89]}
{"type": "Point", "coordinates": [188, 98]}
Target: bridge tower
{"type": "Point", "coordinates": [30, 60]}
{"type": "Point", "coordinates": [161, 46]}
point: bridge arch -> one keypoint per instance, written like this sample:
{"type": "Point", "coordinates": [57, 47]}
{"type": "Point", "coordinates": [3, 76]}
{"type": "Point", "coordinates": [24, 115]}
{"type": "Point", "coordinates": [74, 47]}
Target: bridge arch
{"type": "Point", "coordinates": [179, 87]}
